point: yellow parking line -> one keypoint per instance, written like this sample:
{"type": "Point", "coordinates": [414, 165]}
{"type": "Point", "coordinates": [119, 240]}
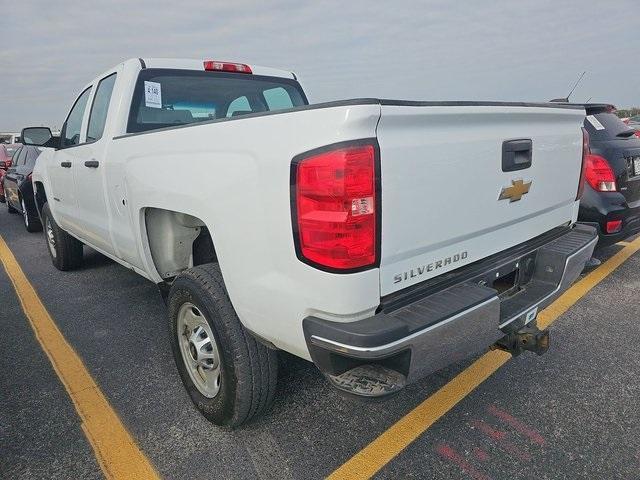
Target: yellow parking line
{"type": "Point", "coordinates": [115, 449]}
{"type": "Point", "coordinates": [387, 446]}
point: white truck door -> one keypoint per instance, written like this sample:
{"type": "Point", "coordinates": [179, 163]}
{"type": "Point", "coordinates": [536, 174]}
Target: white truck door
{"type": "Point", "coordinates": [61, 165]}
{"type": "Point", "coordinates": [93, 215]}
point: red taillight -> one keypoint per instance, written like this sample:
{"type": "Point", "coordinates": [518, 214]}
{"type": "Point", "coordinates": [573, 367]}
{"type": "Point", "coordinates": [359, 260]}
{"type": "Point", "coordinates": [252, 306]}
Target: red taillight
{"type": "Point", "coordinates": [599, 174]}
{"type": "Point", "coordinates": [585, 152]}
{"type": "Point", "coordinates": [614, 226]}
{"type": "Point", "coordinates": [637, 133]}
{"type": "Point", "coordinates": [336, 207]}
{"type": "Point", "coordinates": [213, 65]}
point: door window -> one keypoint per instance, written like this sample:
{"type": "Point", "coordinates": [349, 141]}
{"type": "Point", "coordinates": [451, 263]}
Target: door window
{"type": "Point", "coordinates": [20, 158]}
{"type": "Point", "coordinates": [73, 125]}
{"type": "Point", "coordinates": [98, 115]}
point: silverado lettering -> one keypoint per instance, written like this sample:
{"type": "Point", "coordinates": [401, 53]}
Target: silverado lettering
{"type": "Point", "coordinates": [416, 272]}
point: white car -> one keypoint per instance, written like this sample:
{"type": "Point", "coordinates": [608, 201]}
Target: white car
{"type": "Point", "coordinates": [380, 239]}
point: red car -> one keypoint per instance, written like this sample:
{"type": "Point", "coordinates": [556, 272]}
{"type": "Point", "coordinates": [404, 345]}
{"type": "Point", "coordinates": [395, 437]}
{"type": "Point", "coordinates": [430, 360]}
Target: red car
{"type": "Point", "coordinates": [6, 155]}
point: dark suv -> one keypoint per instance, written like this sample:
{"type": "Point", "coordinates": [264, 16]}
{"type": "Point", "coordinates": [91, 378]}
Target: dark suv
{"type": "Point", "coordinates": [611, 200]}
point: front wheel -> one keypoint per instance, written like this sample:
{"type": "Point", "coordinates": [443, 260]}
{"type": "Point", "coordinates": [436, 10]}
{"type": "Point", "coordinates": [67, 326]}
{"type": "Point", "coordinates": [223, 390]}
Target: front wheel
{"type": "Point", "coordinates": [230, 376]}
{"type": "Point", "coordinates": [30, 223]}
{"type": "Point", "coordinates": [65, 251]}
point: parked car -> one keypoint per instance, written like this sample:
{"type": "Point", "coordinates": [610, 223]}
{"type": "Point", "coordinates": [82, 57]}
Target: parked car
{"type": "Point", "coordinates": [634, 122]}
{"type": "Point", "coordinates": [6, 153]}
{"type": "Point", "coordinates": [365, 235]}
{"type": "Point", "coordinates": [19, 189]}
{"type": "Point", "coordinates": [611, 200]}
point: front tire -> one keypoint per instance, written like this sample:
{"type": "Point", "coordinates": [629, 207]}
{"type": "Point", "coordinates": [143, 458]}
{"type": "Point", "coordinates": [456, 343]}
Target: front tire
{"type": "Point", "coordinates": [230, 377]}
{"type": "Point", "coordinates": [65, 251]}
{"type": "Point", "coordinates": [30, 223]}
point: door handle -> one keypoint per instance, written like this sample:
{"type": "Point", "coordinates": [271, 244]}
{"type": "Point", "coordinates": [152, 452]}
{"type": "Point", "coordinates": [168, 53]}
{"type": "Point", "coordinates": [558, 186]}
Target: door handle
{"type": "Point", "coordinates": [516, 154]}
{"type": "Point", "coordinates": [92, 163]}
{"type": "Point", "coordinates": [65, 164]}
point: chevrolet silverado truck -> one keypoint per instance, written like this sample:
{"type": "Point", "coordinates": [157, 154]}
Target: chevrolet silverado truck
{"type": "Point", "coordinates": [380, 239]}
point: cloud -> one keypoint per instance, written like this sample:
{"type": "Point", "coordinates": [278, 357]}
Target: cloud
{"type": "Point", "coordinates": [429, 50]}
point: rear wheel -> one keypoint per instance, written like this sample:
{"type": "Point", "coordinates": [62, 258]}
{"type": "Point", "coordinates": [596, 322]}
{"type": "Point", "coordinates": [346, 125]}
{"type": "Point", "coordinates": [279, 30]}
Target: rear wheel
{"type": "Point", "coordinates": [230, 376]}
{"type": "Point", "coordinates": [65, 251]}
{"type": "Point", "coordinates": [30, 223]}
{"type": "Point", "coordinates": [2, 199]}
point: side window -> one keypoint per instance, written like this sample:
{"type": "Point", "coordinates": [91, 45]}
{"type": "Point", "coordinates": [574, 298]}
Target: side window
{"type": "Point", "coordinates": [277, 98]}
{"type": "Point", "coordinates": [239, 106]}
{"type": "Point", "coordinates": [73, 125]}
{"type": "Point", "coordinates": [21, 157]}
{"type": "Point", "coordinates": [32, 156]}
{"type": "Point", "coordinates": [98, 115]}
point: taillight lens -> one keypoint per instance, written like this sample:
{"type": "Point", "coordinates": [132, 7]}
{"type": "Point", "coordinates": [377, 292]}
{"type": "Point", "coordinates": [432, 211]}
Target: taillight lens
{"type": "Point", "coordinates": [614, 226]}
{"type": "Point", "coordinates": [336, 207]}
{"type": "Point", "coordinates": [599, 174]}
{"type": "Point", "coordinates": [585, 152]}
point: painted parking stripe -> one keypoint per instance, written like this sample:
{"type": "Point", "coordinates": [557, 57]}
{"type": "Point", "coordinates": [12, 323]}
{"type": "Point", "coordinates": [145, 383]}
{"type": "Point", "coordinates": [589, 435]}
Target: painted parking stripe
{"type": "Point", "coordinates": [115, 449]}
{"type": "Point", "coordinates": [396, 438]}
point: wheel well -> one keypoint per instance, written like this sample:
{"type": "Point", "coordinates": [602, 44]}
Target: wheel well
{"type": "Point", "coordinates": [177, 241]}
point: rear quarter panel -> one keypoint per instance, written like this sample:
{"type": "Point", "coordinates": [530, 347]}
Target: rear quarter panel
{"type": "Point", "coordinates": [235, 176]}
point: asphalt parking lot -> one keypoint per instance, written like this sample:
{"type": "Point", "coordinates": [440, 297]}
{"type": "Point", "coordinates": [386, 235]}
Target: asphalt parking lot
{"type": "Point", "coordinates": [572, 413]}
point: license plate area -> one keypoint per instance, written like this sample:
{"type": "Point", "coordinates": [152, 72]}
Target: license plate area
{"type": "Point", "coordinates": [509, 278]}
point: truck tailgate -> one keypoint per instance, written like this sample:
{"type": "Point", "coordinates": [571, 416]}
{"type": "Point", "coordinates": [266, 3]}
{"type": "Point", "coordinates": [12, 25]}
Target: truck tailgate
{"type": "Point", "coordinates": [443, 174]}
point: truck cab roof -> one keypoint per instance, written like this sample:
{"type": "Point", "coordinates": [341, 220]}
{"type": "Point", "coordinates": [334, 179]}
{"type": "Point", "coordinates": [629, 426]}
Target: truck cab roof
{"type": "Point", "coordinates": [198, 64]}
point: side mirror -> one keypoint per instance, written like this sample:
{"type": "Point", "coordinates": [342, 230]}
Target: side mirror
{"type": "Point", "coordinates": [37, 136]}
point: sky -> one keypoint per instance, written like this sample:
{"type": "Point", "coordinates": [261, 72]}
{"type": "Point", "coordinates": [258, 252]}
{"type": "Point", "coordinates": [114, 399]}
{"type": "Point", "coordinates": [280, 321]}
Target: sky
{"type": "Point", "coordinates": [525, 50]}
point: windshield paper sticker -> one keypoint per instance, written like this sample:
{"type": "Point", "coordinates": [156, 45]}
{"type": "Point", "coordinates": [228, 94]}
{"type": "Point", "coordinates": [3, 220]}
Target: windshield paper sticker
{"type": "Point", "coordinates": [594, 121]}
{"type": "Point", "coordinates": [152, 94]}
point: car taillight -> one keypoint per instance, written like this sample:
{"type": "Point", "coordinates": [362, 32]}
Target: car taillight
{"type": "Point", "coordinates": [336, 198]}
{"type": "Point", "coordinates": [614, 226]}
{"type": "Point", "coordinates": [585, 152]}
{"type": "Point", "coordinates": [213, 65]}
{"type": "Point", "coordinates": [599, 174]}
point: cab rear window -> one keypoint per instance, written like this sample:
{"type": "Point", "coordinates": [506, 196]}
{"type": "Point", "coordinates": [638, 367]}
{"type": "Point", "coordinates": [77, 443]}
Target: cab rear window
{"type": "Point", "coordinates": [169, 97]}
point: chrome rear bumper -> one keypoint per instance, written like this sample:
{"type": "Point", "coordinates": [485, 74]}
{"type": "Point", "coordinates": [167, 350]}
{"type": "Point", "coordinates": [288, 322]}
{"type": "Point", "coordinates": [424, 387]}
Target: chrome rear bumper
{"type": "Point", "coordinates": [418, 336]}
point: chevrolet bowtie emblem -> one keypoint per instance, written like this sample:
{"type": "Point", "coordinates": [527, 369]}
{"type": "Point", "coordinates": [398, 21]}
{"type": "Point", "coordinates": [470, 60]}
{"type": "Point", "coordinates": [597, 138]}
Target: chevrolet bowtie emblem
{"type": "Point", "coordinates": [515, 192]}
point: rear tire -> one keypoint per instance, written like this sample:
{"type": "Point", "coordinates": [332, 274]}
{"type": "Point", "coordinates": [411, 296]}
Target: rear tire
{"type": "Point", "coordinates": [30, 223]}
{"type": "Point", "coordinates": [243, 387]}
{"type": "Point", "coordinates": [2, 199]}
{"type": "Point", "coordinates": [65, 251]}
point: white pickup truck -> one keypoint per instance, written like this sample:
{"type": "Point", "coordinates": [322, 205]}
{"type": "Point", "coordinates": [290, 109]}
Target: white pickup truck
{"type": "Point", "coordinates": [380, 239]}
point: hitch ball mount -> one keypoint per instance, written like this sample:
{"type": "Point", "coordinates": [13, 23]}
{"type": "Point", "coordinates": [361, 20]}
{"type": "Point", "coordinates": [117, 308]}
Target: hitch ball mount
{"type": "Point", "coordinates": [528, 338]}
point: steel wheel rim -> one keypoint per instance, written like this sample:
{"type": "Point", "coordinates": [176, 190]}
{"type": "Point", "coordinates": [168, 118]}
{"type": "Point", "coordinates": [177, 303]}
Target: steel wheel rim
{"type": "Point", "coordinates": [24, 212]}
{"type": "Point", "coordinates": [199, 350]}
{"type": "Point", "coordinates": [51, 239]}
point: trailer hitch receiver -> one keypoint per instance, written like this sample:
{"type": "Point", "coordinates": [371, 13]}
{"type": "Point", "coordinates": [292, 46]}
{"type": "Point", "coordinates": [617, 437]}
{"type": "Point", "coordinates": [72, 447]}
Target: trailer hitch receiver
{"type": "Point", "coordinates": [528, 338]}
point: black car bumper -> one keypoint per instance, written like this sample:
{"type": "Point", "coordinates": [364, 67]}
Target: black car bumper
{"type": "Point", "coordinates": [598, 208]}
{"type": "Point", "coordinates": [424, 329]}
